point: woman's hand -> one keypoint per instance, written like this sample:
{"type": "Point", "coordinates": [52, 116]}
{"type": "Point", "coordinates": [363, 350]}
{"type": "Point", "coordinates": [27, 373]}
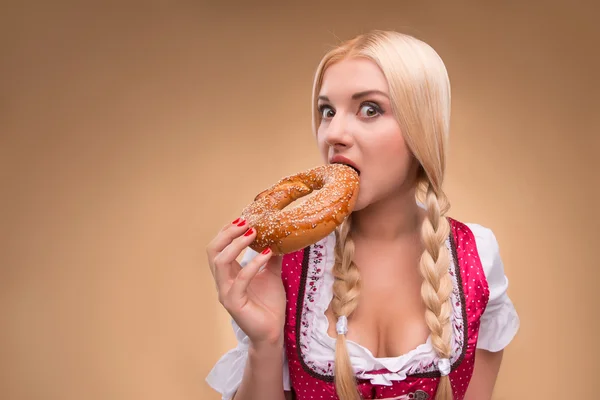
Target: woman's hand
{"type": "Point", "coordinates": [254, 299]}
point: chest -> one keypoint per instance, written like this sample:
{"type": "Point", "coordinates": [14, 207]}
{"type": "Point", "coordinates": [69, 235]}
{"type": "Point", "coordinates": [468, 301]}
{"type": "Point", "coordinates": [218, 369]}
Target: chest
{"type": "Point", "coordinates": [389, 319]}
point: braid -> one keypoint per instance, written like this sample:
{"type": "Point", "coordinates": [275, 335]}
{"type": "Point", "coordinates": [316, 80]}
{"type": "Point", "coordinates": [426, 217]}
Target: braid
{"type": "Point", "coordinates": [346, 289]}
{"type": "Point", "coordinates": [420, 98]}
{"type": "Point", "coordinates": [437, 283]}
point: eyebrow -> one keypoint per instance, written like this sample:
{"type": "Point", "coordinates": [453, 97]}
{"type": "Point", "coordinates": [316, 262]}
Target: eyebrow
{"type": "Point", "coordinates": [359, 94]}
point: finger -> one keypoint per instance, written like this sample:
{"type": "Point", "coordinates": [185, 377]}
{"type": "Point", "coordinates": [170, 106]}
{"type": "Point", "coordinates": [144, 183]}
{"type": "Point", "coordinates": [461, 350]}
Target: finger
{"type": "Point", "coordinates": [225, 260]}
{"type": "Point", "coordinates": [237, 293]}
{"type": "Point", "coordinates": [227, 234]}
{"type": "Point", "coordinates": [237, 245]}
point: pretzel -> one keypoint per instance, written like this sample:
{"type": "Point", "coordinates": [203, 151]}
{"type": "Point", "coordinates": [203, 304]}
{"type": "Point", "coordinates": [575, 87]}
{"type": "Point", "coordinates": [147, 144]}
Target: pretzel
{"type": "Point", "coordinates": [285, 230]}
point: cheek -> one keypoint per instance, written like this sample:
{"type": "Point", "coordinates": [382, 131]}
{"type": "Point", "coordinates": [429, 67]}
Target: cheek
{"type": "Point", "coordinates": [323, 149]}
{"type": "Point", "coordinates": [321, 144]}
{"type": "Point", "coordinates": [390, 146]}
{"type": "Point", "coordinates": [402, 151]}
{"type": "Point", "coordinates": [391, 156]}
{"type": "Point", "coordinates": [402, 157]}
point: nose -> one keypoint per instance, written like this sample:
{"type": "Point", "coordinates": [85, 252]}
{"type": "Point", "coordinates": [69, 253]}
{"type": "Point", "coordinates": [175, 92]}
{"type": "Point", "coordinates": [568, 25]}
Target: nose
{"type": "Point", "coordinates": [338, 133]}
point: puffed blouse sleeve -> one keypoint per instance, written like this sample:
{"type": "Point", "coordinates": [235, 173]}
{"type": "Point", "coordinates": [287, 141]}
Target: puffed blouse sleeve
{"type": "Point", "coordinates": [226, 375]}
{"type": "Point", "coordinates": [500, 321]}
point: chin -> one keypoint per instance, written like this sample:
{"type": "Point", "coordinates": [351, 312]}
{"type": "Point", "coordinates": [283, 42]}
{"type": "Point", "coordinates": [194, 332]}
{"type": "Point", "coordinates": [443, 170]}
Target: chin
{"type": "Point", "coordinates": [361, 202]}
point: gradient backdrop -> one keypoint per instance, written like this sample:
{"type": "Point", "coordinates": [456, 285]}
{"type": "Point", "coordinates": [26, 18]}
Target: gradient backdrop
{"type": "Point", "coordinates": [130, 132]}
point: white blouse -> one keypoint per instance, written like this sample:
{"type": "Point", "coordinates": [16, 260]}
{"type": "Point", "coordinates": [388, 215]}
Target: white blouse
{"type": "Point", "coordinates": [499, 324]}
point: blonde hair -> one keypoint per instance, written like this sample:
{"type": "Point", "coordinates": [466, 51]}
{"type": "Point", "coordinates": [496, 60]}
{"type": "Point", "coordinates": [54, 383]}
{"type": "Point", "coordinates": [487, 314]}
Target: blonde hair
{"type": "Point", "coordinates": [419, 91]}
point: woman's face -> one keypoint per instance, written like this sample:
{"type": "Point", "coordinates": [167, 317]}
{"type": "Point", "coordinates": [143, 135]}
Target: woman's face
{"type": "Point", "coordinates": [358, 124]}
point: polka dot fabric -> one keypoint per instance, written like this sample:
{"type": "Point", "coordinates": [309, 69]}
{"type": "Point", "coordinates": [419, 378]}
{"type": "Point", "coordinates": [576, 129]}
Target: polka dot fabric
{"type": "Point", "coordinates": [310, 383]}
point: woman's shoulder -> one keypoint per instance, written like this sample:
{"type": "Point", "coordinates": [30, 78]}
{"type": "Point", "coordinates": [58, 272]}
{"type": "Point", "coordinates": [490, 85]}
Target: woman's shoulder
{"type": "Point", "coordinates": [484, 236]}
{"type": "Point", "coordinates": [487, 250]}
{"type": "Point", "coordinates": [487, 244]}
{"type": "Point", "coordinates": [478, 230]}
{"type": "Point", "coordinates": [481, 233]}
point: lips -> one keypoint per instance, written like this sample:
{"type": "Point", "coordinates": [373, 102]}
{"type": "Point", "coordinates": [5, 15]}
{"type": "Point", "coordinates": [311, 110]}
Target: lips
{"type": "Point", "coordinates": [346, 161]}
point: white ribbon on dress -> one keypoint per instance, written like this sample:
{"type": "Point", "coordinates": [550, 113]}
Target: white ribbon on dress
{"type": "Point", "coordinates": [342, 325]}
{"type": "Point", "coordinates": [444, 366]}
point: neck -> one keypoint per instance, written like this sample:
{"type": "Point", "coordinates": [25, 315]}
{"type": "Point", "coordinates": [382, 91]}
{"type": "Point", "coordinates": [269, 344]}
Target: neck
{"type": "Point", "coordinates": [389, 220]}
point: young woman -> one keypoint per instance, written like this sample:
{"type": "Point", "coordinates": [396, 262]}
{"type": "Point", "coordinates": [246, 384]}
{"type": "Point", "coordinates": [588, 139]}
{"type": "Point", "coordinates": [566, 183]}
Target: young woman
{"type": "Point", "coordinates": [401, 301]}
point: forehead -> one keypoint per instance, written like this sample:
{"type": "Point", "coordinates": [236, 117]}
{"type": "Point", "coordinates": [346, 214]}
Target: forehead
{"type": "Point", "coordinates": [347, 77]}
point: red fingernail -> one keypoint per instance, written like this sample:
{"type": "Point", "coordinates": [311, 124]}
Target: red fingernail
{"type": "Point", "coordinates": [236, 221]}
{"type": "Point", "coordinates": [249, 232]}
{"type": "Point", "coordinates": [242, 223]}
{"type": "Point", "coordinates": [266, 251]}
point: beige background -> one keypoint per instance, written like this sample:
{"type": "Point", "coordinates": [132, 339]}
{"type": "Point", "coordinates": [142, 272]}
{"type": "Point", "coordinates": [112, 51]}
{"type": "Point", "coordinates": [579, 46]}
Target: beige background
{"type": "Point", "coordinates": [131, 132]}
